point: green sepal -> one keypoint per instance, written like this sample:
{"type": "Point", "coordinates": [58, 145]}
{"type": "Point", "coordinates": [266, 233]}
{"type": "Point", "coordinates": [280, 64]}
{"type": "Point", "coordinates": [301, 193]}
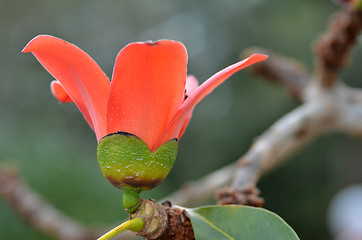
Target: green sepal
{"type": "Point", "coordinates": [128, 163]}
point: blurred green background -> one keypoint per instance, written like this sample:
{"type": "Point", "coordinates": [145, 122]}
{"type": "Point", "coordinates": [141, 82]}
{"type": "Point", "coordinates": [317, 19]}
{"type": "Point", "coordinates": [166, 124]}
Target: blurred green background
{"type": "Point", "coordinates": [56, 150]}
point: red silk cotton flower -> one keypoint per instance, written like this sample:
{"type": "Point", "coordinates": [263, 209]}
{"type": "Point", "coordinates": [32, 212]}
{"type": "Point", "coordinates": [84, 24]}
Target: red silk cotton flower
{"type": "Point", "coordinates": [149, 96]}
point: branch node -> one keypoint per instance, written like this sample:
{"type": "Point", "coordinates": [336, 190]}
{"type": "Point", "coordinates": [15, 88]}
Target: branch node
{"type": "Point", "coordinates": [248, 196]}
{"type": "Point", "coordinates": [333, 47]}
{"type": "Point", "coordinates": [163, 222]}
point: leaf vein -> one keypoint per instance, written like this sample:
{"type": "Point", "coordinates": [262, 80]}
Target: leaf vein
{"type": "Point", "coordinates": [211, 224]}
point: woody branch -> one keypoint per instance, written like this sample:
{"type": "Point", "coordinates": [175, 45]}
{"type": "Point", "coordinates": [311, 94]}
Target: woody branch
{"type": "Point", "coordinates": [328, 106]}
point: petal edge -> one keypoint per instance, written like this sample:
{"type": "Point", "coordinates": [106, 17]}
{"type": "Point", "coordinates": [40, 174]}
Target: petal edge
{"type": "Point", "coordinates": [177, 124]}
{"type": "Point", "coordinates": [78, 73]}
{"type": "Point", "coordinates": [147, 88]}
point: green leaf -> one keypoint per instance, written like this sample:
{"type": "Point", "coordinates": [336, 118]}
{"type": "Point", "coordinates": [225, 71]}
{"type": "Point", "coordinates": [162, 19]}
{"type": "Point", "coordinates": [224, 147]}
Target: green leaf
{"type": "Point", "coordinates": [239, 223]}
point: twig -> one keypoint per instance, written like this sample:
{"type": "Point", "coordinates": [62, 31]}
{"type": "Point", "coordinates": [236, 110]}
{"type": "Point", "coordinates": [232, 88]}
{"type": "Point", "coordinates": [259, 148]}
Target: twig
{"type": "Point", "coordinates": [282, 139]}
{"type": "Point", "coordinates": [196, 192]}
{"type": "Point", "coordinates": [287, 72]}
{"type": "Point", "coordinates": [324, 111]}
{"type": "Point", "coordinates": [35, 210]}
{"type": "Point", "coordinates": [328, 106]}
{"type": "Point", "coordinates": [163, 221]}
{"type": "Point", "coordinates": [333, 47]}
{"type": "Point", "coordinates": [40, 214]}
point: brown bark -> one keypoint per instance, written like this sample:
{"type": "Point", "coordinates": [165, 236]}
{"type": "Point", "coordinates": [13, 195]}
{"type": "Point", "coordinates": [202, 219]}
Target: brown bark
{"type": "Point", "coordinates": [36, 211]}
{"type": "Point", "coordinates": [333, 47]}
{"type": "Point", "coordinates": [248, 196]}
{"type": "Point", "coordinates": [287, 72]}
{"type": "Point", "coordinates": [163, 222]}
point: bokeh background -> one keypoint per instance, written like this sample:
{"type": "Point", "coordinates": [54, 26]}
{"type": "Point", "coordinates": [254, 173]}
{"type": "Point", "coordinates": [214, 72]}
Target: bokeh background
{"type": "Point", "coordinates": [56, 150]}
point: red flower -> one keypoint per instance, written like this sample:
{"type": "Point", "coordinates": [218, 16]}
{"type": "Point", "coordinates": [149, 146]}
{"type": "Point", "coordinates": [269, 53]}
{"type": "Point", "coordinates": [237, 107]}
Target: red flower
{"type": "Point", "coordinates": [149, 96]}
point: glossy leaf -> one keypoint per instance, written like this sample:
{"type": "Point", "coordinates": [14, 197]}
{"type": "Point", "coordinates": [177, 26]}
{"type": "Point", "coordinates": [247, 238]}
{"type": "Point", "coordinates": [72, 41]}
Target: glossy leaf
{"type": "Point", "coordinates": [239, 223]}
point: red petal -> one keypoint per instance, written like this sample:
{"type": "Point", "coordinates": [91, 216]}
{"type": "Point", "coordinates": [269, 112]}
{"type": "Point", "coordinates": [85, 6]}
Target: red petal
{"type": "Point", "coordinates": [147, 88]}
{"type": "Point", "coordinates": [78, 73]}
{"type": "Point", "coordinates": [176, 126]}
{"type": "Point", "coordinates": [59, 92]}
{"type": "Point", "coordinates": [191, 86]}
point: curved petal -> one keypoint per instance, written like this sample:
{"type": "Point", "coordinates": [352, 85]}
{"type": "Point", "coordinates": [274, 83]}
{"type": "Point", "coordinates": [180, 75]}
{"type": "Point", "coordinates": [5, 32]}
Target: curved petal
{"type": "Point", "coordinates": [175, 127]}
{"type": "Point", "coordinates": [147, 88]}
{"type": "Point", "coordinates": [78, 73]}
{"type": "Point", "coordinates": [191, 86]}
{"type": "Point", "coordinates": [59, 92]}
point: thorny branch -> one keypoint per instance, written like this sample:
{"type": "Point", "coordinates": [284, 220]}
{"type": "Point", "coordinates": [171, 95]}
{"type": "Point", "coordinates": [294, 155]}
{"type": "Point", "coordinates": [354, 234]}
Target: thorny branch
{"type": "Point", "coordinates": [328, 106]}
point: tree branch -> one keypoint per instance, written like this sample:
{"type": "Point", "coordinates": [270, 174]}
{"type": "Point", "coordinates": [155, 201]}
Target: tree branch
{"type": "Point", "coordinates": [287, 72]}
{"type": "Point", "coordinates": [282, 139]}
{"type": "Point", "coordinates": [197, 192]}
{"type": "Point", "coordinates": [328, 106]}
{"type": "Point", "coordinates": [333, 47]}
{"type": "Point", "coordinates": [36, 211]}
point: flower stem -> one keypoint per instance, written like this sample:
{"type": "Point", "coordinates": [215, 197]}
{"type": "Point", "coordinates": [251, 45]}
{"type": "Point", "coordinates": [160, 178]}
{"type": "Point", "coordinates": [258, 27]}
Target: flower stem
{"type": "Point", "coordinates": [134, 225]}
{"type": "Point", "coordinates": [131, 200]}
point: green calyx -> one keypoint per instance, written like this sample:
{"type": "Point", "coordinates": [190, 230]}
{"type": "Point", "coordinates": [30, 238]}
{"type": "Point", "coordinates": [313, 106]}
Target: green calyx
{"type": "Point", "coordinates": [129, 164]}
